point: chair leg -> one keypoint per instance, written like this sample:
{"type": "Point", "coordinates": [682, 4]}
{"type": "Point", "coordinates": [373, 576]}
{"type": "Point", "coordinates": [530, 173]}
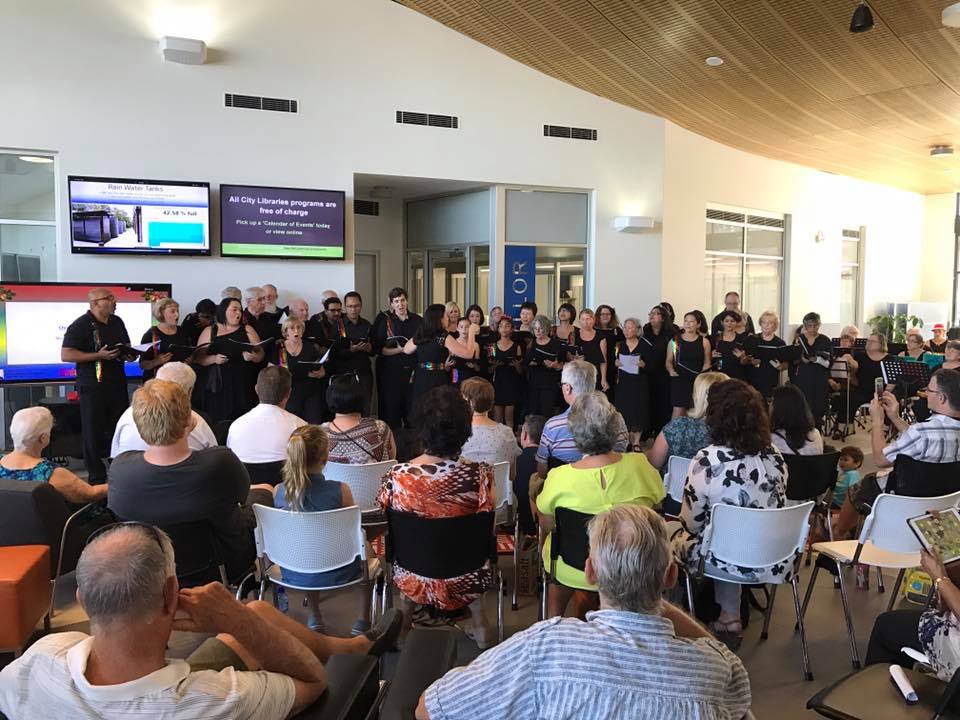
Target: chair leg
{"type": "Point", "coordinates": [514, 604]}
{"type": "Point", "coordinates": [500, 609]}
{"type": "Point", "coordinates": [810, 584]}
{"type": "Point", "coordinates": [769, 612]}
{"type": "Point", "coordinates": [375, 586]}
{"type": "Point", "coordinates": [880, 587]}
{"type": "Point", "coordinates": [689, 583]}
{"type": "Point", "coordinates": [851, 635]}
{"type": "Point", "coordinates": [896, 590]}
{"type": "Point", "coordinates": [795, 585]}
{"type": "Point", "coordinates": [543, 597]}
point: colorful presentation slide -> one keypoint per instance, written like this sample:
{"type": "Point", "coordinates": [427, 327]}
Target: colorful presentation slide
{"type": "Point", "coordinates": [281, 222]}
{"type": "Point", "coordinates": [139, 216]}
{"type": "Point", "coordinates": [34, 317]}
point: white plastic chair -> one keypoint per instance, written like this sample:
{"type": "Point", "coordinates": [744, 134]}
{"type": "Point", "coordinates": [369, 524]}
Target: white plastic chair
{"type": "Point", "coordinates": [364, 480]}
{"type": "Point", "coordinates": [886, 541]}
{"type": "Point", "coordinates": [676, 476]}
{"type": "Point", "coordinates": [758, 538]}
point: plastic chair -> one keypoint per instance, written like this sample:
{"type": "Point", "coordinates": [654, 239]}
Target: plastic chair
{"type": "Point", "coordinates": [886, 541]}
{"type": "Point", "coordinates": [364, 480]}
{"type": "Point", "coordinates": [569, 541]}
{"type": "Point", "coordinates": [757, 538]}
{"type": "Point", "coordinates": [676, 477]}
{"type": "Point", "coordinates": [506, 510]}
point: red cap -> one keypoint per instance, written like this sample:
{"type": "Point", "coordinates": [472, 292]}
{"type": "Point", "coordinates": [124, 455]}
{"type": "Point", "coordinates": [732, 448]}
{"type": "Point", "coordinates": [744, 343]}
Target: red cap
{"type": "Point", "coordinates": [939, 326]}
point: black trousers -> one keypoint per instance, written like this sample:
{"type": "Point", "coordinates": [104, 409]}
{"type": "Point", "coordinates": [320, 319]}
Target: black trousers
{"type": "Point", "coordinates": [892, 631]}
{"type": "Point", "coordinates": [101, 406]}
{"type": "Point", "coordinates": [393, 393]}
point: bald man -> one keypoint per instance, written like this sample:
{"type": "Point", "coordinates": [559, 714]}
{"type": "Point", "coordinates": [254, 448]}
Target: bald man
{"type": "Point", "coordinates": [91, 342]}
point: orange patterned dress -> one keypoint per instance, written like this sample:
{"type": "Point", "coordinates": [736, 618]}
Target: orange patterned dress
{"type": "Point", "coordinates": [450, 488]}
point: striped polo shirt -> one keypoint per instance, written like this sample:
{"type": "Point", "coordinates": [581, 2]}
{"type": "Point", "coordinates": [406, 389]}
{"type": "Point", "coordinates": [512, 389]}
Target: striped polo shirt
{"type": "Point", "coordinates": [616, 665]}
{"type": "Point", "coordinates": [557, 442]}
{"type": "Point", "coordinates": [936, 440]}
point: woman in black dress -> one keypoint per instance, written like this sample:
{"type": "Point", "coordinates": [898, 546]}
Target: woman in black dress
{"type": "Point", "coordinates": [729, 347]}
{"type": "Point", "coordinates": [504, 360]}
{"type": "Point", "coordinates": [228, 390]}
{"type": "Point", "coordinates": [544, 362]}
{"type": "Point", "coordinates": [633, 390]}
{"type": "Point", "coordinates": [162, 335]}
{"type": "Point", "coordinates": [764, 371]}
{"type": "Point", "coordinates": [865, 367]}
{"type": "Point", "coordinates": [811, 372]}
{"type": "Point", "coordinates": [609, 326]}
{"type": "Point", "coordinates": [462, 369]}
{"type": "Point", "coordinates": [590, 343]}
{"type": "Point", "coordinates": [656, 336]}
{"type": "Point", "coordinates": [307, 392]}
{"type": "Point", "coordinates": [687, 356]}
{"type": "Point", "coordinates": [566, 314]}
{"type": "Point", "coordinates": [485, 337]}
{"type": "Point", "coordinates": [432, 345]}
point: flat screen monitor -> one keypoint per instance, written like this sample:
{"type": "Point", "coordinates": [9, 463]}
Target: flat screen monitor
{"type": "Point", "coordinates": [117, 216]}
{"type": "Point", "coordinates": [281, 222]}
{"type": "Point", "coordinates": [34, 317]}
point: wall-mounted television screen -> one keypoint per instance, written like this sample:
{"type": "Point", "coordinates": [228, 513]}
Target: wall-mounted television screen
{"type": "Point", "coordinates": [116, 216]}
{"type": "Point", "coordinates": [281, 222]}
{"type": "Point", "coordinates": [34, 317]}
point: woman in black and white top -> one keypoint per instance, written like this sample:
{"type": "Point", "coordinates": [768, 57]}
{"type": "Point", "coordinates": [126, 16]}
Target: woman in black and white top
{"type": "Point", "coordinates": [794, 432]}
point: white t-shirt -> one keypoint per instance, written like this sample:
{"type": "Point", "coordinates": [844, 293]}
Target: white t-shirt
{"type": "Point", "coordinates": [48, 682]}
{"type": "Point", "coordinates": [262, 434]}
{"type": "Point", "coordinates": [491, 444]}
{"type": "Point", "coordinates": [127, 437]}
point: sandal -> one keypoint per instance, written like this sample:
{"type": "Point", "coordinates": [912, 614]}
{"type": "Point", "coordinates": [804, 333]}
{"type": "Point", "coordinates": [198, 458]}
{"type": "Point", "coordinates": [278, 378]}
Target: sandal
{"type": "Point", "coordinates": [729, 633]}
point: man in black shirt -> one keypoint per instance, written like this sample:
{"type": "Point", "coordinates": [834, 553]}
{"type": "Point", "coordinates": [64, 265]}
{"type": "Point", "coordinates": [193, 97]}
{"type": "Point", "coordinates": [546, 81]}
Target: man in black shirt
{"type": "Point", "coordinates": [390, 334]}
{"type": "Point", "coordinates": [256, 315]}
{"type": "Point", "coordinates": [731, 301]}
{"type": "Point", "coordinates": [353, 346]}
{"type": "Point", "coordinates": [91, 342]}
{"type": "Point", "coordinates": [194, 323]}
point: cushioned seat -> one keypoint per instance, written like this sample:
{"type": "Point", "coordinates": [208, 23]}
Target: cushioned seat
{"type": "Point", "coordinates": [24, 592]}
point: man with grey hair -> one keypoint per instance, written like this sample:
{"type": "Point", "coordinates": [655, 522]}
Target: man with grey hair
{"type": "Point", "coordinates": [556, 443]}
{"type": "Point", "coordinates": [636, 657]}
{"type": "Point", "coordinates": [126, 437]}
{"type": "Point", "coordinates": [270, 296]}
{"type": "Point", "coordinates": [255, 314]}
{"type": "Point", "coordinates": [259, 664]}
{"type": "Point", "coordinates": [231, 291]}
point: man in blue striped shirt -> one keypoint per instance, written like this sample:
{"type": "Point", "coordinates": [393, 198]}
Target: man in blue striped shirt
{"type": "Point", "coordinates": [636, 657]}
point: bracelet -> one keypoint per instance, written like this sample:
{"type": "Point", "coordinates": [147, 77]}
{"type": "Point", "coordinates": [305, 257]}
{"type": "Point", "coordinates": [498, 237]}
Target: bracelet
{"type": "Point", "coordinates": [936, 583]}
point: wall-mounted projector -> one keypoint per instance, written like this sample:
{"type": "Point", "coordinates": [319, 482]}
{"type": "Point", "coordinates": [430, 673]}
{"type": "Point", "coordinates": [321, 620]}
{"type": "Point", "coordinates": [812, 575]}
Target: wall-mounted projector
{"type": "Point", "coordinates": [183, 50]}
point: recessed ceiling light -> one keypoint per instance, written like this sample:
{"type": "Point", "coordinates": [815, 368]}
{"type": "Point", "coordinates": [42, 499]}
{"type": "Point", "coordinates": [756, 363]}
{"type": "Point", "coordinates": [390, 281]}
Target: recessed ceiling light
{"type": "Point", "coordinates": [39, 159]}
{"type": "Point", "coordinates": [941, 151]}
{"type": "Point", "coordinates": [714, 61]}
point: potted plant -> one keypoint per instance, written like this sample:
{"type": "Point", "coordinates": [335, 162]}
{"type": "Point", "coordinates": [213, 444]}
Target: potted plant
{"type": "Point", "coordinates": [894, 327]}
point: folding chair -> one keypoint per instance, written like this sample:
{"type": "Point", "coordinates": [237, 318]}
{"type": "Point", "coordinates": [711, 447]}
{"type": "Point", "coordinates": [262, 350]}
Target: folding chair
{"type": "Point", "coordinates": [676, 477]}
{"type": "Point", "coordinates": [813, 477]}
{"type": "Point", "coordinates": [506, 514]}
{"type": "Point", "coordinates": [757, 538]}
{"type": "Point", "coordinates": [569, 541]}
{"type": "Point", "coordinates": [886, 541]}
{"type": "Point", "coordinates": [364, 481]}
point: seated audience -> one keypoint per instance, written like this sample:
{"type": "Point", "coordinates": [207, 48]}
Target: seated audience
{"type": "Point", "coordinates": [305, 489]}
{"type": "Point", "coordinates": [30, 431]}
{"type": "Point", "coordinates": [439, 483]}
{"type": "Point", "coordinates": [740, 467]}
{"type": "Point", "coordinates": [636, 657]}
{"type": "Point", "coordinates": [354, 439]}
{"type": "Point", "coordinates": [258, 663]}
{"type": "Point", "coordinates": [556, 443]}
{"type": "Point", "coordinates": [938, 343]}
{"type": "Point", "coordinates": [601, 479]}
{"type": "Point", "coordinates": [126, 437]}
{"type": "Point", "coordinates": [168, 483]}
{"type": "Point", "coordinates": [530, 433]}
{"type": "Point", "coordinates": [851, 459]}
{"type": "Point", "coordinates": [936, 440]}
{"type": "Point", "coordinates": [794, 431]}
{"type": "Point", "coordinates": [261, 435]}
{"type": "Point", "coordinates": [916, 348]}
{"type": "Point", "coordinates": [685, 435]}
{"type": "Point", "coordinates": [489, 442]}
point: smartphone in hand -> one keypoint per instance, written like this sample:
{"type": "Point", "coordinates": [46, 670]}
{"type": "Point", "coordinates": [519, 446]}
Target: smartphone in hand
{"type": "Point", "coordinates": [878, 387]}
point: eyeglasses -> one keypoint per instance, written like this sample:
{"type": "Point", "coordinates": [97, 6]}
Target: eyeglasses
{"type": "Point", "coordinates": [153, 531]}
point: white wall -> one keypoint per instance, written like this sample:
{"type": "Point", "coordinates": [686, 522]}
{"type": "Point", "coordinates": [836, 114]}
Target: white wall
{"type": "Point", "coordinates": [382, 233]}
{"type": "Point", "coordinates": [936, 280]}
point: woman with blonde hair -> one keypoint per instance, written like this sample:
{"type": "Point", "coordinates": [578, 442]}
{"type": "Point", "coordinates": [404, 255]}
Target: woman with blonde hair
{"type": "Point", "coordinates": [305, 489]}
{"type": "Point", "coordinates": [452, 315]}
{"type": "Point", "coordinates": [162, 336]}
{"type": "Point", "coordinates": [764, 370]}
{"type": "Point", "coordinates": [685, 435]}
{"type": "Point", "coordinates": [300, 358]}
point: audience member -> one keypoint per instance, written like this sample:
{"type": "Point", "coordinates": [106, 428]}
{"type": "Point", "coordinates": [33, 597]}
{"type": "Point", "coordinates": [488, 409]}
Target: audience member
{"type": "Point", "coordinates": [30, 431]}
{"type": "Point", "coordinates": [851, 459]}
{"type": "Point", "coordinates": [259, 663]}
{"type": "Point", "coordinates": [637, 657]}
{"type": "Point", "coordinates": [354, 439]}
{"type": "Point", "coordinates": [489, 442]}
{"type": "Point", "coordinates": [740, 467]}
{"type": "Point", "coordinates": [261, 435]}
{"type": "Point", "coordinates": [794, 431]}
{"type": "Point", "coordinates": [305, 489]}
{"type": "Point", "coordinates": [556, 443]}
{"type": "Point", "coordinates": [685, 435]}
{"type": "Point", "coordinates": [938, 343]}
{"type": "Point", "coordinates": [126, 437]}
{"type": "Point", "coordinates": [439, 483]}
{"type": "Point", "coordinates": [951, 356]}
{"type": "Point", "coordinates": [602, 478]}
{"type": "Point", "coordinates": [169, 484]}
{"type": "Point", "coordinates": [530, 433]}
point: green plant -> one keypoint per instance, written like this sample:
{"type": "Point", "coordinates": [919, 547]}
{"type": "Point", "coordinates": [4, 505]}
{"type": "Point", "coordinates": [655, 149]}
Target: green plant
{"type": "Point", "coordinates": [894, 327]}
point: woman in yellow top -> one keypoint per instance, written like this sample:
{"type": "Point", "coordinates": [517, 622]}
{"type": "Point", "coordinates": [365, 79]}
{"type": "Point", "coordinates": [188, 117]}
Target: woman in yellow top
{"type": "Point", "coordinates": [600, 480]}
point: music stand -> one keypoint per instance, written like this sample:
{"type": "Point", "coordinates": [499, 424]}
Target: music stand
{"type": "Point", "coordinates": [917, 374]}
{"type": "Point", "coordinates": [858, 343]}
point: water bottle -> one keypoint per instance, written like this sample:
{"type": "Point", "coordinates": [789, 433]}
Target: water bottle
{"type": "Point", "coordinates": [283, 602]}
{"type": "Point", "coordinates": [862, 577]}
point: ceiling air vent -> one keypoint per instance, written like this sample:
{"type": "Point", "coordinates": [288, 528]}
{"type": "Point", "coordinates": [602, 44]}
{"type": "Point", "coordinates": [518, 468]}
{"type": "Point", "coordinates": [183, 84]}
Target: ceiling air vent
{"type": "Point", "coordinates": [366, 207]}
{"type": "Point", "coordinates": [765, 221]}
{"type": "Point", "coordinates": [405, 117]}
{"type": "Point", "coordinates": [255, 102]}
{"type": "Point", "coordinates": [853, 234]}
{"type": "Point", "coordinates": [725, 216]}
{"type": "Point", "coordinates": [571, 133]}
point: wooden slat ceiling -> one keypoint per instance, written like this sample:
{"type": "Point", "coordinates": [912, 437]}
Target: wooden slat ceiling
{"type": "Point", "coordinates": [795, 85]}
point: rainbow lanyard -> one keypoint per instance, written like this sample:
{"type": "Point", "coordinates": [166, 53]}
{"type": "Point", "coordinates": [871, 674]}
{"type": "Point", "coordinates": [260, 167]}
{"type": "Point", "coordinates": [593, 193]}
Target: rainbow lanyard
{"type": "Point", "coordinates": [389, 327]}
{"type": "Point", "coordinates": [156, 341]}
{"type": "Point", "coordinates": [432, 366]}
{"type": "Point", "coordinates": [284, 358]}
{"type": "Point", "coordinates": [98, 365]}
{"type": "Point", "coordinates": [343, 329]}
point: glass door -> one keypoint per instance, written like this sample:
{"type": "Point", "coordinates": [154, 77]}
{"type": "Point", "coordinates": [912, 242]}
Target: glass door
{"type": "Point", "coordinates": [447, 276]}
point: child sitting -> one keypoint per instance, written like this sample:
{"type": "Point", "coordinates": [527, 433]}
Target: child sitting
{"type": "Point", "coordinates": [527, 466]}
{"type": "Point", "coordinates": [851, 458]}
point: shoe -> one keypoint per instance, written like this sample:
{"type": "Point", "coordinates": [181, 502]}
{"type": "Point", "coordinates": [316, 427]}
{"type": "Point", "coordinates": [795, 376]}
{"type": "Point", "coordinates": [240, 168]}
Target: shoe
{"type": "Point", "coordinates": [479, 636]}
{"type": "Point", "coordinates": [729, 633]}
{"type": "Point", "coordinates": [359, 628]}
{"type": "Point", "coordinates": [383, 636]}
{"type": "Point", "coordinates": [316, 624]}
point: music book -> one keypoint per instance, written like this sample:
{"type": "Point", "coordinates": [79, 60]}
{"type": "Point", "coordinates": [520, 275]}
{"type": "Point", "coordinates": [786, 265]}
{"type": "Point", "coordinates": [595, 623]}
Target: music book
{"type": "Point", "coordinates": [131, 350]}
{"type": "Point", "coordinates": [784, 353]}
{"type": "Point", "coordinates": [630, 364]}
{"type": "Point", "coordinates": [182, 352]}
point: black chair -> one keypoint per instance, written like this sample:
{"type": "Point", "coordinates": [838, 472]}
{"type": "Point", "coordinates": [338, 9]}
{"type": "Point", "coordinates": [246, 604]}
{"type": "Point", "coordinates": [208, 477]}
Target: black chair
{"type": "Point", "coordinates": [268, 472]}
{"type": "Point", "coordinates": [922, 479]}
{"type": "Point", "coordinates": [197, 553]}
{"type": "Point", "coordinates": [426, 656]}
{"type": "Point", "coordinates": [221, 430]}
{"type": "Point", "coordinates": [813, 477]}
{"type": "Point", "coordinates": [868, 694]}
{"type": "Point", "coordinates": [354, 691]}
{"type": "Point", "coordinates": [568, 541]}
{"type": "Point", "coordinates": [444, 548]}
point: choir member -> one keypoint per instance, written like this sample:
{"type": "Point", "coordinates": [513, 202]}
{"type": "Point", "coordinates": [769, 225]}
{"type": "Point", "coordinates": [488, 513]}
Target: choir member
{"type": "Point", "coordinates": [729, 347]}
{"type": "Point", "coordinates": [162, 336]}
{"type": "Point", "coordinates": [764, 371]}
{"type": "Point", "coordinates": [592, 345]}
{"type": "Point", "coordinates": [496, 312]}
{"type": "Point", "coordinates": [256, 314]}
{"type": "Point", "coordinates": [485, 336]}
{"type": "Point", "coordinates": [300, 358]}
{"type": "Point", "coordinates": [938, 343]}
{"type": "Point", "coordinates": [504, 360]}
{"type": "Point", "coordinates": [452, 316]}
{"type": "Point", "coordinates": [633, 387]}
{"type": "Point", "coordinates": [353, 346]}
{"type": "Point", "coordinates": [657, 333]}
{"type": "Point", "coordinates": [462, 369]}
{"type": "Point", "coordinates": [566, 314]}
{"type": "Point", "coordinates": [687, 356]}
{"type": "Point", "coordinates": [609, 326]}
{"type": "Point", "coordinates": [866, 368]}
{"type": "Point", "coordinates": [543, 362]}
{"type": "Point", "coordinates": [394, 367]}
{"type": "Point", "coordinates": [810, 373]}
{"type": "Point", "coordinates": [731, 301]}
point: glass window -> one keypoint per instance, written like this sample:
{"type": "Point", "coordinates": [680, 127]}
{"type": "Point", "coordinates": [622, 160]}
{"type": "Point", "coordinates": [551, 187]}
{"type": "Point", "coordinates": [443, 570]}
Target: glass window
{"type": "Point", "coordinates": [481, 277]}
{"type": "Point", "coordinates": [723, 274]}
{"type": "Point", "coordinates": [724, 238]}
{"type": "Point", "coordinates": [851, 251]}
{"type": "Point", "coordinates": [415, 284]}
{"type": "Point", "coordinates": [28, 218]}
{"type": "Point", "coordinates": [850, 278]}
{"type": "Point", "coordinates": [764, 242]}
{"type": "Point", "coordinates": [28, 252]}
{"type": "Point", "coordinates": [762, 286]}
{"type": "Point", "coordinates": [560, 273]}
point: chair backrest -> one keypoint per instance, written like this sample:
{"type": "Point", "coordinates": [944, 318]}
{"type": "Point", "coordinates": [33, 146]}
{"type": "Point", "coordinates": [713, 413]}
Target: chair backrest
{"type": "Point", "coordinates": [33, 513]}
{"type": "Point", "coordinates": [310, 542]}
{"type": "Point", "coordinates": [364, 480]}
{"type": "Point", "coordinates": [221, 430]}
{"type": "Point", "coordinates": [756, 537]}
{"type": "Point", "coordinates": [676, 477]}
{"type": "Point", "coordinates": [501, 484]}
{"type": "Point", "coordinates": [886, 525]}
{"type": "Point", "coordinates": [196, 552]}
{"type": "Point", "coordinates": [569, 539]}
{"type": "Point", "coordinates": [810, 476]}
{"type": "Point", "coordinates": [266, 472]}
{"type": "Point", "coordinates": [441, 547]}
{"type": "Point", "coordinates": [915, 478]}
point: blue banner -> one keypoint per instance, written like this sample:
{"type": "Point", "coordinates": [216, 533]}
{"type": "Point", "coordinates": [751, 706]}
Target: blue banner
{"type": "Point", "coordinates": [519, 277]}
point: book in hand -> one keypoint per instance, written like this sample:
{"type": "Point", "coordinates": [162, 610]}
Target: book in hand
{"type": "Point", "coordinates": [184, 352]}
{"type": "Point", "coordinates": [251, 347]}
{"type": "Point", "coordinates": [396, 341]}
{"type": "Point", "coordinates": [316, 364]}
{"type": "Point", "coordinates": [131, 351]}
{"type": "Point", "coordinates": [784, 353]}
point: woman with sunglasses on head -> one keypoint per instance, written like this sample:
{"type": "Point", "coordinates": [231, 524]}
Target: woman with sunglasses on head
{"type": "Point", "coordinates": [812, 371]}
{"type": "Point", "coordinates": [608, 325]}
{"type": "Point", "coordinates": [591, 344]}
{"type": "Point", "coordinates": [688, 355]}
{"type": "Point", "coordinates": [654, 340]}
